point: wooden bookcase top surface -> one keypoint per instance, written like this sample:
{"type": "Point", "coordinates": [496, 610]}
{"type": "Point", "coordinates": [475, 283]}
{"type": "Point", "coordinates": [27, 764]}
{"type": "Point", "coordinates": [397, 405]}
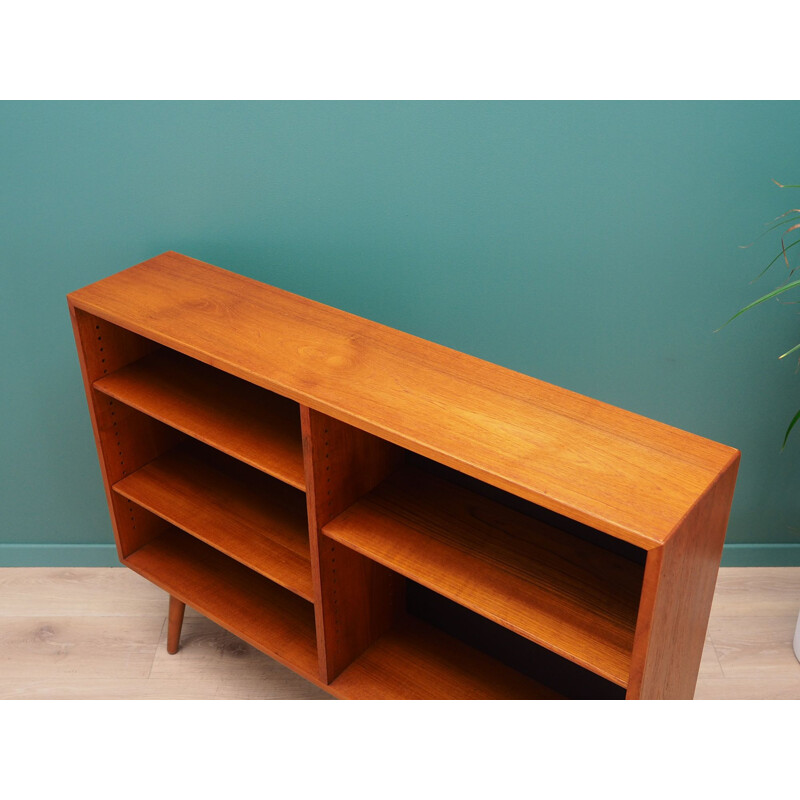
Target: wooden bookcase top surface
{"type": "Point", "coordinates": [621, 473]}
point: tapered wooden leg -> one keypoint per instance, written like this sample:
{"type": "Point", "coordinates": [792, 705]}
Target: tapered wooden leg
{"type": "Point", "coordinates": [176, 609]}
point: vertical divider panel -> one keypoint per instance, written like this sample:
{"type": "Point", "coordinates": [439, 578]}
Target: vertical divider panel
{"type": "Point", "coordinates": [126, 439]}
{"type": "Point", "coordinates": [356, 599]}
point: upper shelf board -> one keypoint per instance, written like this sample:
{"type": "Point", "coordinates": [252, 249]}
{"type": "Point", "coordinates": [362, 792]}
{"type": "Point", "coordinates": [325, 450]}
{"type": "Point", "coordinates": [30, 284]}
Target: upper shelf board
{"type": "Point", "coordinates": [257, 427]}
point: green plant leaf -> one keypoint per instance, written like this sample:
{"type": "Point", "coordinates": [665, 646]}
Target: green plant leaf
{"type": "Point", "coordinates": [789, 429]}
{"type": "Point", "coordinates": [786, 185]}
{"type": "Point", "coordinates": [772, 228]}
{"type": "Point", "coordinates": [774, 293]}
{"type": "Point", "coordinates": [782, 253]}
{"type": "Point", "coordinates": [789, 352]}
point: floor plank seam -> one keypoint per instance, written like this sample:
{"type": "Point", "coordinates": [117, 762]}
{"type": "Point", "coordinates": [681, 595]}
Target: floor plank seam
{"type": "Point", "coordinates": [161, 637]}
{"type": "Point", "coordinates": [716, 654]}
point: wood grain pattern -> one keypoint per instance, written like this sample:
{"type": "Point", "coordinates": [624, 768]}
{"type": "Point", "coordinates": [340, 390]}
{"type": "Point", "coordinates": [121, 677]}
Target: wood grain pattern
{"type": "Point", "coordinates": [752, 624]}
{"type": "Point", "coordinates": [77, 647]}
{"type": "Point", "coordinates": [761, 688]}
{"type": "Point", "coordinates": [253, 608]}
{"type": "Point", "coordinates": [626, 475]}
{"type": "Point", "coordinates": [57, 686]}
{"type": "Point", "coordinates": [253, 518]}
{"type": "Point", "coordinates": [574, 598]}
{"type": "Point", "coordinates": [754, 646]}
{"type": "Point", "coordinates": [757, 591]}
{"type": "Point", "coordinates": [77, 592]}
{"type": "Point", "coordinates": [676, 599]}
{"type": "Point", "coordinates": [356, 599]}
{"type": "Point", "coordinates": [247, 422]}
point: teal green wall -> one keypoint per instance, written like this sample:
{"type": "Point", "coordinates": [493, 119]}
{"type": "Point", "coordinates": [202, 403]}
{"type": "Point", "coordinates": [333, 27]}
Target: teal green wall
{"type": "Point", "coordinates": [590, 244]}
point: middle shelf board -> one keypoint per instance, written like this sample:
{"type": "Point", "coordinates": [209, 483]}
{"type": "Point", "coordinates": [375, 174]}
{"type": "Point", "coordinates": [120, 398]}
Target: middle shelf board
{"type": "Point", "coordinates": [247, 422]}
{"type": "Point", "coordinates": [245, 514]}
{"type": "Point", "coordinates": [569, 595]}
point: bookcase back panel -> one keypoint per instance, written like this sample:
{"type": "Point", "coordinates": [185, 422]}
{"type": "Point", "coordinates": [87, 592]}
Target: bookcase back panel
{"type": "Point", "coordinates": [542, 665]}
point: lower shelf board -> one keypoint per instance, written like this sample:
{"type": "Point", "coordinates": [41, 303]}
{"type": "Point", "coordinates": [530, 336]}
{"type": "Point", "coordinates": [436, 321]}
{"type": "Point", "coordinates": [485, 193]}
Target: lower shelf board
{"type": "Point", "coordinates": [272, 619]}
{"type": "Point", "coordinates": [412, 661]}
{"type": "Point", "coordinates": [415, 661]}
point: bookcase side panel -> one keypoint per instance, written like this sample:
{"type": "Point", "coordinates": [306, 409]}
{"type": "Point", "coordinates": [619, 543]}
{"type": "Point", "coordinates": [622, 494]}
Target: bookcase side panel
{"type": "Point", "coordinates": [678, 589]}
{"type": "Point", "coordinates": [125, 438]}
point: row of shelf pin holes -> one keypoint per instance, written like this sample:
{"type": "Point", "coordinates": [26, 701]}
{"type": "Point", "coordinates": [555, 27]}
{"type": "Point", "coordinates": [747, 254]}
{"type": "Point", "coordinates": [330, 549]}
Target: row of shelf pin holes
{"type": "Point", "coordinates": [122, 462]}
{"type": "Point", "coordinates": [111, 403]}
{"type": "Point", "coordinates": [333, 546]}
{"type": "Point", "coordinates": [102, 360]}
{"type": "Point", "coordinates": [116, 429]}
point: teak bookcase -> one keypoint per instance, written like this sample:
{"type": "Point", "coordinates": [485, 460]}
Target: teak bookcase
{"type": "Point", "coordinates": [388, 517]}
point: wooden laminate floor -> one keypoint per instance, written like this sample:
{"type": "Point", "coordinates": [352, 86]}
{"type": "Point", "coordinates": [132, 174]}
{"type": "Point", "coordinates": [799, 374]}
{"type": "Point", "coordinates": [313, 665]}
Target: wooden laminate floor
{"type": "Point", "coordinates": [101, 634]}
